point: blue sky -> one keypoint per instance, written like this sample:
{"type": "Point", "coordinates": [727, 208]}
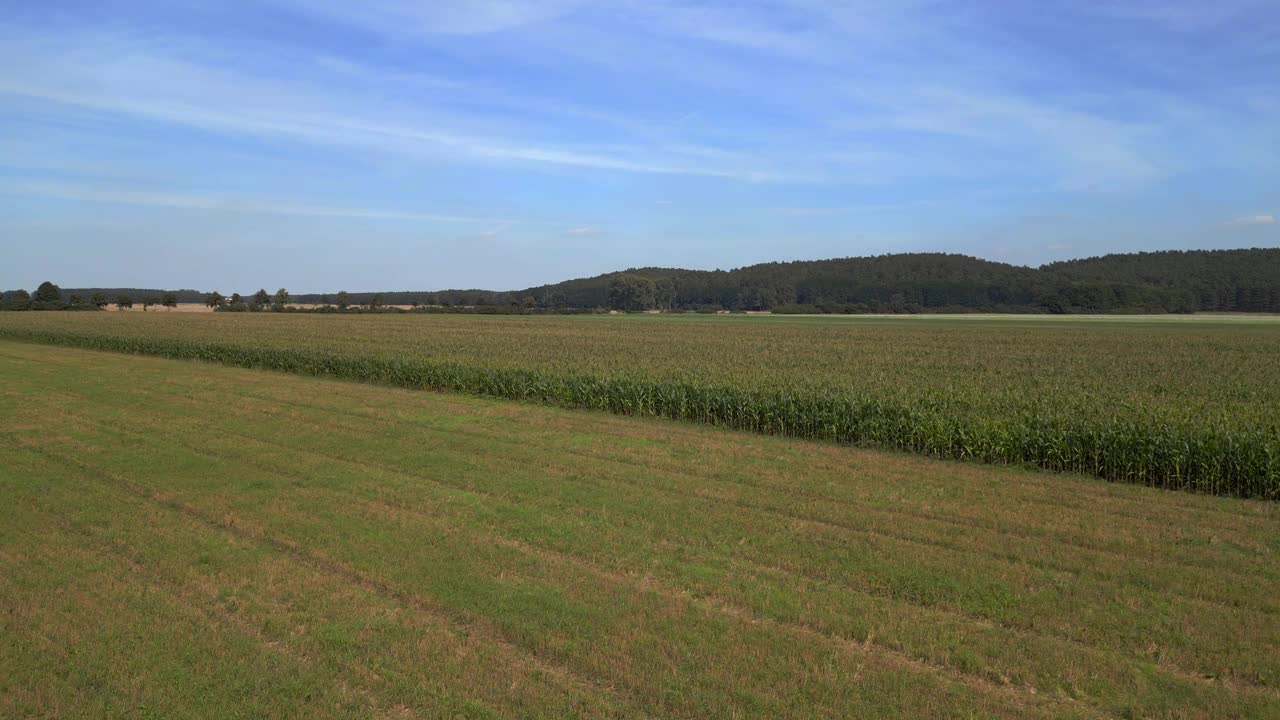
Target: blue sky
{"type": "Point", "coordinates": [390, 144]}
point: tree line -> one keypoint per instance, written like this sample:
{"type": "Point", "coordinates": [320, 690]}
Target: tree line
{"type": "Point", "coordinates": [1171, 282]}
{"type": "Point", "coordinates": [1160, 282]}
{"type": "Point", "coordinates": [280, 302]}
{"type": "Point", "coordinates": [1163, 282]}
{"type": "Point", "coordinates": [49, 296]}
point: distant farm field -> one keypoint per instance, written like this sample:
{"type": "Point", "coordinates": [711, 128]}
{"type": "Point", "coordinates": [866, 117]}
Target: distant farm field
{"type": "Point", "coordinates": [1188, 403]}
{"type": "Point", "coordinates": [180, 307]}
{"type": "Point", "coordinates": [190, 540]}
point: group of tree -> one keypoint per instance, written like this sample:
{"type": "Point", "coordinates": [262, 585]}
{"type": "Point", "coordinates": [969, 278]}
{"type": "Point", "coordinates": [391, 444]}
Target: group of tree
{"type": "Point", "coordinates": [1169, 281]}
{"type": "Point", "coordinates": [126, 302]}
{"type": "Point", "coordinates": [49, 296]}
{"type": "Point", "coordinates": [1173, 281]}
{"type": "Point", "coordinates": [1211, 280]}
{"type": "Point", "coordinates": [258, 302]}
{"type": "Point", "coordinates": [262, 301]}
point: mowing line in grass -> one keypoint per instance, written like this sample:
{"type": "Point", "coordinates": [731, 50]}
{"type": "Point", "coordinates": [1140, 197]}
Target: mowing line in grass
{"type": "Point", "coordinates": [628, 523]}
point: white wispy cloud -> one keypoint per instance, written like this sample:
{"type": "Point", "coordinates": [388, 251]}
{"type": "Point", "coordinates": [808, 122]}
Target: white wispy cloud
{"type": "Point", "coordinates": [1259, 219]}
{"type": "Point", "coordinates": [854, 96]}
{"type": "Point", "coordinates": [495, 230]}
{"type": "Point", "coordinates": [737, 27]}
{"type": "Point", "coordinates": [808, 211]}
{"type": "Point", "coordinates": [448, 17]}
{"type": "Point", "coordinates": [223, 203]}
{"type": "Point", "coordinates": [212, 94]}
{"type": "Point", "coordinates": [836, 102]}
{"type": "Point", "coordinates": [345, 131]}
{"type": "Point", "coordinates": [1177, 16]}
{"type": "Point", "coordinates": [865, 208]}
{"type": "Point", "coordinates": [747, 112]}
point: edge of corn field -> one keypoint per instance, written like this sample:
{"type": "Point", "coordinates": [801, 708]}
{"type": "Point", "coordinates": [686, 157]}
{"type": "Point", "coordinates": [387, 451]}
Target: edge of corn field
{"type": "Point", "coordinates": [1142, 450]}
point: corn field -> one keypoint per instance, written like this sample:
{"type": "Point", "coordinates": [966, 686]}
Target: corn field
{"type": "Point", "coordinates": [1189, 406]}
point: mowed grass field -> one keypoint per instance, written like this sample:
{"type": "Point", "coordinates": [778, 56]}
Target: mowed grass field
{"type": "Point", "coordinates": [1185, 403]}
{"type": "Point", "coordinates": [184, 539]}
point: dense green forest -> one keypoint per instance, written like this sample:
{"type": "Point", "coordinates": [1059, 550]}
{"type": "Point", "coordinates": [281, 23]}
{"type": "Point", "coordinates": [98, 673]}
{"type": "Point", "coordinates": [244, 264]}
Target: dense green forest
{"type": "Point", "coordinates": [1232, 280]}
{"type": "Point", "coordinates": [1157, 282]}
{"type": "Point", "coordinates": [1172, 281]}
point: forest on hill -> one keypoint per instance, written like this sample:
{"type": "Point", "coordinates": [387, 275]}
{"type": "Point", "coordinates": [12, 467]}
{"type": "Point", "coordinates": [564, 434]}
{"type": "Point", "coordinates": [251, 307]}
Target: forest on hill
{"type": "Point", "coordinates": [1173, 281]}
{"type": "Point", "coordinates": [1170, 281]}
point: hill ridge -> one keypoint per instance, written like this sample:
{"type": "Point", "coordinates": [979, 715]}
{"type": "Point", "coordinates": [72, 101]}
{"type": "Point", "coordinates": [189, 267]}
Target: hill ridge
{"type": "Point", "coordinates": [1236, 280]}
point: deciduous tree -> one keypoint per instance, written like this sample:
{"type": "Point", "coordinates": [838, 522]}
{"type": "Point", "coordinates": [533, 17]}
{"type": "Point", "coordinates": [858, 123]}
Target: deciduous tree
{"type": "Point", "coordinates": [20, 300]}
{"type": "Point", "coordinates": [48, 293]}
{"type": "Point", "coordinates": [631, 292]}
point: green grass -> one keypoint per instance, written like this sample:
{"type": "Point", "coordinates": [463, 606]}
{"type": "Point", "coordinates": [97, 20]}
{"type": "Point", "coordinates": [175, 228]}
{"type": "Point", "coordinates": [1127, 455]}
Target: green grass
{"type": "Point", "coordinates": [1188, 403]}
{"type": "Point", "coordinates": [191, 540]}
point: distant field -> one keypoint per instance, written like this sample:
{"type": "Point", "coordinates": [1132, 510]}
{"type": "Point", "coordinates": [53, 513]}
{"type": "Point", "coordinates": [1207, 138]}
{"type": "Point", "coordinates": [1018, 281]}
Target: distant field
{"type": "Point", "coordinates": [1192, 403]}
{"type": "Point", "coordinates": [202, 308]}
{"type": "Point", "coordinates": [181, 307]}
{"type": "Point", "coordinates": [189, 540]}
{"type": "Point", "coordinates": [1190, 319]}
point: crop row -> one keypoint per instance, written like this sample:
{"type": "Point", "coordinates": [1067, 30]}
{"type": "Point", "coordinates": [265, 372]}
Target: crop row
{"type": "Point", "coordinates": [1136, 446]}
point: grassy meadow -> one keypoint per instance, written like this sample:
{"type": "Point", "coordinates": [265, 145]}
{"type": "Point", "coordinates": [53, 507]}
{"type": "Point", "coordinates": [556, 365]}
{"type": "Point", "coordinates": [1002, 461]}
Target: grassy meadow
{"type": "Point", "coordinates": [1186, 403]}
{"type": "Point", "coordinates": [192, 540]}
